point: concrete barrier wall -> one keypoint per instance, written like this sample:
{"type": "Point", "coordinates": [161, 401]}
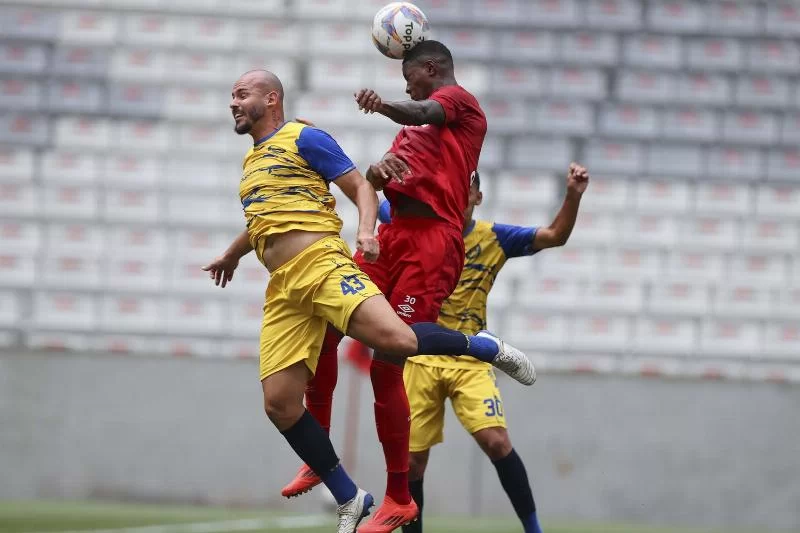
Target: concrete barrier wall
{"type": "Point", "coordinates": [596, 448]}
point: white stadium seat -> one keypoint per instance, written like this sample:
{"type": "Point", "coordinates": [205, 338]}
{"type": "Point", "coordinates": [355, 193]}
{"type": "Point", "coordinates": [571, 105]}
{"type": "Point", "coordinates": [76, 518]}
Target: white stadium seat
{"type": "Point", "coordinates": [124, 344]}
{"type": "Point", "coordinates": [709, 233]}
{"type": "Point", "coordinates": [16, 164]}
{"type": "Point", "coordinates": [614, 14]}
{"type": "Point", "coordinates": [136, 100]}
{"type": "Point", "coordinates": [694, 266]}
{"type": "Point", "coordinates": [549, 293]}
{"type": "Point", "coordinates": [18, 94]}
{"type": "Point", "coordinates": [778, 201]}
{"type": "Point", "coordinates": [18, 199]}
{"type": "Point", "coordinates": [563, 117]}
{"type": "Point", "coordinates": [506, 115]}
{"type": "Point", "coordinates": [715, 53]}
{"type": "Point", "coordinates": [17, 269]}
{"type": "Point", "coordinates": [131, 313]}
{"type": "Point", "coordinates": [762, 91]}
{"type": "Point", "coordinates": [704, 89]}
{"type": "Point", "coordinates": [24, 129]}
{"type": "Point", "coordinates": [276, 36]}
{"type": "Point", "coordinates": [782, 340]}
{"type": "Point", "coordinates": [614, 157]}
{"type": "Point", "coordinates": [75, 238]}
{"type": "Point", "coordinates": [187, 315]}
{"type": "Point", "coordinates": [150, 30]}
{"type": "Point", "coordinates": [723, 198]}
{"type": "Point", "coordinates": [589, 48]}
{"type": "Point", "coordinates": [676, 16]}
{"type": "Point", "coordinates": [578, 82]}
{"type": "Point", "coordinates": [75, 97]}
{"type": "Point", "coordinates": [770, 236]}
{"type": "Point", "coordinates": [337, 39]}
{"type": "Point", "coordinates": [208, 68]}
{"type": "Point", "coordinates": [525, 188]}
{"type": "Point", "coordinates": [18, 58]}
{"type": "Point", "coordinates": [790, 131]}
{"type": "Point", "coordinates": [734, 17]}
{"type": "Point", "coordinates": [246, 316]}
{"type": "Point", "coordinates": [600, 332]}
{"type": "Point", "coordinates": [690, 123]}
{"type": "Point", "coordinates": [661, 196]}
{"type": "Point", "coordinates": [10, 309]}
{"type": "Point", "coordinates": [192, 346]}
{"type": "Point", "coordinates": [129, 171]}
{"type": "Point", "coordinates": [574, 262]}
{"type": "Point", "coordinates": [742, 300]}
{"type": "Point", "coordinates": [94, 28]}
{"type": "Point", "coordinates": [528, 46]}
{"type": "Point", "coordinates": [730, 338]}
{"type": "Point", "coordinates": [142, 135]}
{"type": "Point", "coordinates": [626, 120]}
{"type": "Point", "coordinates": [131, 205]}
{"type": "Point", "coordinates": [128, 241]}
{"type": "Point", "coordinates": [81, 61]}
{"type": "Point", "coordinates": [337, 74]}
{"type": "Point", "coordinates": [648, 230]}
{"type": "Point", "coordinates": [540, 153]}
{"type": "Point", "coordinates": [650, 50]}
{"type": "Point", "coordinates": [646, 86]}
{"type": "Point", "coordinates": [209, 33]}
{"type": "Point", "coordinates": [665, 336]}
{"type": "Point", "coordinates": [131, 272]}
{"type": "Point", "coordinates": [320, 8]}
{"type": "Point", "coordinates": [70, 202]}
{"type": "Point", "coordinates": [519, 80]}
{"type": "Point", "coordinates": [616, 296]}
{"type": "Point", "coordinates": [64, 310]}
{"type": "Point", "coordinates": [595, 229]}
{"type": "Point", "coordinates": [70, 270]}
{"type": "Point", "coordinates": [758, 269]}
{"type": "Point", "coordinates": [552, 13]}
{"type": "Point", "coordinates": [193, 104]}
{"type": "Point", "coordinates": [467, 43]}
{"type": "Point", "coordinates": [772, 55]}
{"type": "Point", "coordinates": [632, 264]}
{"type": "Point", "coordinates": [30, 23]}
{"type": "Point", "coordinates": [608, 195]}
{"type": "Point", "coordinates": [783, 18]}
{"type": "Point", "coordinates": [784, 164]}
{"type": "Point", "coordinates": [537, 330]}
{"type": "Point", "coordinates": [678, 298]}
{"type": "Point", "coordinates": [20, 237]}
{"type": "Point", "coordinates": [734, 162]}
{"type": "Point", "coordinates": [750, 127]}
{"type": "Point", "coordinates": [72, 342]}
{"type": "Point", "coordinates": [82, 132]}
{"type": "Point", "coordinates": [787, 304]}
{"type": "Point", "coordinates": [675, 160]}
{"type": "Point", "coordinates": [138, 64]}
{"type": "Point", "coordinates": [250, 279]}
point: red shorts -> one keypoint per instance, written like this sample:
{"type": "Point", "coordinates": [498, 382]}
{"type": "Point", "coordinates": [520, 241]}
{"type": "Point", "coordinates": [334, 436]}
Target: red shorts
{"type": "Point", "coordinates": [419, 265]}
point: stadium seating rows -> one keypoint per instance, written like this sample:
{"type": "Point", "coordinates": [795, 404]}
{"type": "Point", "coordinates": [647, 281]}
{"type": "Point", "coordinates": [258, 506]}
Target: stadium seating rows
{"type": "Point", "coordinates": [114, 131]}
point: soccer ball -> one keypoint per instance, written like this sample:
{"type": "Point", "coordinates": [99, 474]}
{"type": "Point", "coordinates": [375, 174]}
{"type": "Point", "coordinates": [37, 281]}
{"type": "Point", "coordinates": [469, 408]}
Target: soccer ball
{"type": "Point", "coordinates": [398, 27]}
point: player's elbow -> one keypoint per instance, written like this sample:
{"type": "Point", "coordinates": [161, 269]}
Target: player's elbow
{"type": "Point", "coordinates": [550, 238]}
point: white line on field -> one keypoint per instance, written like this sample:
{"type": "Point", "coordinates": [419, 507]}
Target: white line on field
{"type": "Point", "coordinates": [251, 524]}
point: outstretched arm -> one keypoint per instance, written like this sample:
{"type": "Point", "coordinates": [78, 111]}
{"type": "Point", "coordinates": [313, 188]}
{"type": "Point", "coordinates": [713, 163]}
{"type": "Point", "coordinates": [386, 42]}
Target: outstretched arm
{"type": "Point", "coordinates": [558, 232]}
{"type": "Point", "coordinates": [406, 112]}
{"type": "Point", "coordinates": [222, 268]}
{"type": "Point", "coordinates": [361, 193]}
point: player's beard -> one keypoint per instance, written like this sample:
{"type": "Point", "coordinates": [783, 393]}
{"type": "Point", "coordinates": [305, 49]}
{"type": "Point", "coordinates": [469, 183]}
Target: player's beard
{"type": "Point", "coordinates": [251, 117]}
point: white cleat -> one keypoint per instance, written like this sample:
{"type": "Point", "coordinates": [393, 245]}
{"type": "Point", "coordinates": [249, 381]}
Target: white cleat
{"type": "Point", "coordinates": [352, 512]}
{"type": "Point", "coordinates": [511, 360]}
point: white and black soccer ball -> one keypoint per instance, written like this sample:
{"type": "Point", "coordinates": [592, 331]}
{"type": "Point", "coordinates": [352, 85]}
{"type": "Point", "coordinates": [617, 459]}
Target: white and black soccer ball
{"type": "Point", "coordinates": [398, 27]}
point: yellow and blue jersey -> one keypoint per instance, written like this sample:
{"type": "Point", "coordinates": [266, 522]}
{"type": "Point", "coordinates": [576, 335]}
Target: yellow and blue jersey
{"type": "Point", "coordinates": [285, 183]}
{"type": "Point", "coordinates": [488, 246]}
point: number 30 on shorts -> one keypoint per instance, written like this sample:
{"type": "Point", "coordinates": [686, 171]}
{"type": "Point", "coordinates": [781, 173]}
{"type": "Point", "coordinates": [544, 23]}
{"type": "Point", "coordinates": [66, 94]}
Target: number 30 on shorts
{"type": "Point", "coordinates": [494, 406]}
{"type": "Point", "coordinates": [351, 285]}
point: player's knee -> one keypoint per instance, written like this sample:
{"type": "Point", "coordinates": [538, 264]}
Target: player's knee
{"type": "Point", "coordinates": [399, 341]}
{"type": "Point", "coordinates": [417, 463]}
{"type": "Point", "coordinates": [495, 443]}
{"type": "Point", "coordinates": [281, 412]}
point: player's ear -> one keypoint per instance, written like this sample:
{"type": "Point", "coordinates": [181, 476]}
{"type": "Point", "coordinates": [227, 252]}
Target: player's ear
{"type": "Point", "coordinates": [272, 98]}
{"type": "Point", "coordinates": [479, 198]}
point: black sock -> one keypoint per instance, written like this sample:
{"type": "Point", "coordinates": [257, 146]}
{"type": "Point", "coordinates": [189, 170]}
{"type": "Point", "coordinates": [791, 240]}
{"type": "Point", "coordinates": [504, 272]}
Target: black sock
{"type": "Point", "coordinates": [313, 446]}
{"type": "Point", "coordinates": [514, 479]}
{"type": "Point", "coordinates": [433, 339]}
{"type": "Point", "coordinates": [415, 487]}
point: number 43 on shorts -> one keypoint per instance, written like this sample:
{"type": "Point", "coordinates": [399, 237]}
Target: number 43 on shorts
{"type": "Point", "coordinates": [351, 285]}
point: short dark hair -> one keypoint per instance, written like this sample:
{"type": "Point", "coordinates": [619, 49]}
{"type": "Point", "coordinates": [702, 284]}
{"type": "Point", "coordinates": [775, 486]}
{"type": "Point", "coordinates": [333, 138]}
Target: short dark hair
{"type": "Point", "coordinates": [475, 180]}
{"type": "Point", "coordinates": [430, 50]}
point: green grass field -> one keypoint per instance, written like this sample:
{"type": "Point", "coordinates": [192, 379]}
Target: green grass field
{"type": "Point", "coordinates": [42, 517]}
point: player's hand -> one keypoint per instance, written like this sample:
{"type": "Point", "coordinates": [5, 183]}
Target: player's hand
{"type": "Point", "coordinates": [368, 100]}
{"type": "Point", "coordinates": [221, 270]}
{"type": "Point", "coordinates": [305, 121]}
{"type": "Point", "coordinates": [577, 178]}
{"type": "Point", "coordinates": [367, 244]}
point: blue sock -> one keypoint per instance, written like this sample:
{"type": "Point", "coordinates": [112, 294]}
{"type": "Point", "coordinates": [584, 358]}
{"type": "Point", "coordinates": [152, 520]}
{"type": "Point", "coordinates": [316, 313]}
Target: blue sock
{"type": "Point", "coordinates": [482, 348]}
{"type": "Point", "coordinates": [531, 524]}
{"type": "Point", "coordinates": [313, 446]}
{"type": "Point", "coordinates": [340, 485]}
{"type": "Point", "coordinates": [433, 339]}
{"type": "Point", "coordinates": [514, 480]}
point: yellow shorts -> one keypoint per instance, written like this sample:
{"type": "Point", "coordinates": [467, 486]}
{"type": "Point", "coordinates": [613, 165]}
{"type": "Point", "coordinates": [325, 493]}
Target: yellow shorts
{"type": "Point", "coordinates": [320, 285]}
{"type": "Point", "coordinates": [473, 392]}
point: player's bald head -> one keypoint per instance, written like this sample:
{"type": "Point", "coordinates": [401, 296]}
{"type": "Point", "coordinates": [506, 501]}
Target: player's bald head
{"type": "Point", "coordinates": [262, 80]}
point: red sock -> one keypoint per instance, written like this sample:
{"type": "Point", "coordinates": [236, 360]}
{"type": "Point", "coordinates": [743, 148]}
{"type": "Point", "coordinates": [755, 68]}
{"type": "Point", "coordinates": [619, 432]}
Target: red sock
{"type": "Point", "coordinates": [392, 420]}
{"type": "Point", "coordinates": [319, 391]}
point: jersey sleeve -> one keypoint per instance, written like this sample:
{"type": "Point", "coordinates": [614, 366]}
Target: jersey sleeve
{"type": "Point", "coordinates": [515, 241]}
{"type": "Point", "coordinates": [385, 212]}
{"type": "Point", "coordinates": [452, 98]}
{"type": "Point", "coordinates": [323, 153]}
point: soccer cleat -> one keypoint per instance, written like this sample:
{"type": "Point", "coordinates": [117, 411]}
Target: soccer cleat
{"type": "Point", "coordinates": [304, 481]}
{"type": "Point", "coordinates": [389, 516]}
{"type": "Point", "coordinates": [512, 361]}
{"type": "Point", "coordinates": [352, 512]}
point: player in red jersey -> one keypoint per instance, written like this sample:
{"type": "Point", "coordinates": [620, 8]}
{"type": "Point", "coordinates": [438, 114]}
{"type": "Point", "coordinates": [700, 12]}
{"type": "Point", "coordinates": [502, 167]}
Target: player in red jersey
{"type": "Point", "coordinates": [425, 175]}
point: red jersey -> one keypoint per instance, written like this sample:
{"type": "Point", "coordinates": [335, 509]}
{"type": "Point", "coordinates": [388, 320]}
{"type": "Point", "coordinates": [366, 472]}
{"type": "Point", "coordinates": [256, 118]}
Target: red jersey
{"type": "Point", "coordinates": [441, 159]}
